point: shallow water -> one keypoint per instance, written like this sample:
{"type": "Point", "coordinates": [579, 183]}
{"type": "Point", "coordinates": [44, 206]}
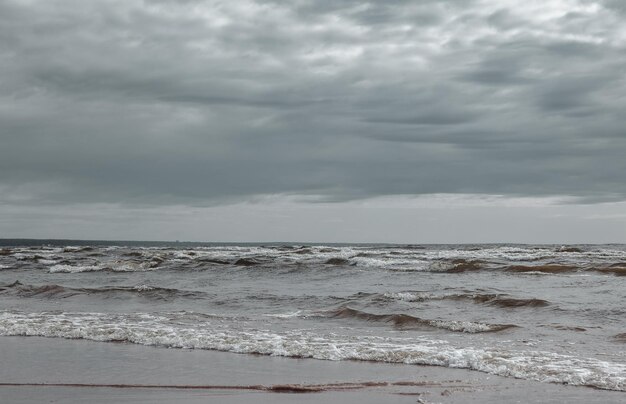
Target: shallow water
{"type": "Point", "coordinates": [546, 312]}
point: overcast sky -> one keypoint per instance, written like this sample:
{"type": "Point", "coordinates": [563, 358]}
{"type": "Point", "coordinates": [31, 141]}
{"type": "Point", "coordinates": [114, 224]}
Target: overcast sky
{"type": "Point", "coordinates": [314, 120]}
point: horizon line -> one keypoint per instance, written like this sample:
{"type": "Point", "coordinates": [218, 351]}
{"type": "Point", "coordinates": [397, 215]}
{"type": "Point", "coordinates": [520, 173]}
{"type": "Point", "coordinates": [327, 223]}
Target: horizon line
{"type": "Point", "coordinates": [4, 240]}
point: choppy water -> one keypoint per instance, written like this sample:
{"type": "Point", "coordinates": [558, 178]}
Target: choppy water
{"type": "Point", "coordinates": [546, 313]}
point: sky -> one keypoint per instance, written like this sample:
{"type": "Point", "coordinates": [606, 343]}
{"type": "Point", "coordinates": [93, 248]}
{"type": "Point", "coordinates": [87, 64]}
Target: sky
{"type": "Point", "coordinates": [424, 121]}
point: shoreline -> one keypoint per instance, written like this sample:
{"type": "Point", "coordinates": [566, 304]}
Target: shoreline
{"type": "Point", "coordinates": [38, 369]}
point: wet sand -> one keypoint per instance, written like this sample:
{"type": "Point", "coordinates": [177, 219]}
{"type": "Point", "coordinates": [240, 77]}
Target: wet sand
{"type": "Point", "coordinates": [36, 370]}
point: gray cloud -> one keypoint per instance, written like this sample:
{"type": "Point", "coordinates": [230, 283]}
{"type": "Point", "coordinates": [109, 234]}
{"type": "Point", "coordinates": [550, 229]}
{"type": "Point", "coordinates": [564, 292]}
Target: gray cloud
{"type": "Point", "coordinates": [202, 102]}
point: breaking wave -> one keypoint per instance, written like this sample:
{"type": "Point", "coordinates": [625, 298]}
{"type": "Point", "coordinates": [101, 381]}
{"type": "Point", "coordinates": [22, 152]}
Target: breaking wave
{"type": "Point", "coordinates": [163, 330]}
{"type": "Point", "coordinates": [489, 299]}
{"type": "Point", "coordinates": [111, 267]}
{"type": "Point", "coordinates": [456, 266]}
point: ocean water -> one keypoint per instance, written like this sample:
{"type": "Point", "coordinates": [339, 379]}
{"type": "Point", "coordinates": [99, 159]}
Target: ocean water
{"type": "Point", "coordinates": [540, 312]}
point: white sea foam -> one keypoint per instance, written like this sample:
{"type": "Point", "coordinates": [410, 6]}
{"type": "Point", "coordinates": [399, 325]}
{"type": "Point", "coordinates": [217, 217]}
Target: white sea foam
{"type": "Point", "coordinates": [72, 248]}
{"type": "Point", "coordinates": [183, 255]}
{"type": "Point", "coordinates": [163, 330]}
{"type": "Point", "coordinates": [46, 262]}
{"type": "Point", "coordinates": [125, 266]}
{"type": "Point", "coordinates": [297, 313]}
{"type": "Point", "coordinates": [412, 297]}
{"type": "Point", "coordinates": [466, 326]}
{"type": "Point", "coordinates": [397, 263]}
{"type": "Point", "coordinates": [74, 268]}
{"type": "Point", "coordinates": [33, 256]}
{"type": "Point", "coordinates": [116, 266]}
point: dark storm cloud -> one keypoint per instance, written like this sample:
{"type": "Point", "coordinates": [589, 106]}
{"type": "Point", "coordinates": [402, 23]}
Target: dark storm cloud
{"type": "Point", "coordinates": [201, 102]}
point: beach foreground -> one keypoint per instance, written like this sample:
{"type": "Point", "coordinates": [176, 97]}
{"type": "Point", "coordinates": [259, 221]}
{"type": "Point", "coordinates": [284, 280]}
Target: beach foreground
{"type": "Point", "coordinates": [148, 374]}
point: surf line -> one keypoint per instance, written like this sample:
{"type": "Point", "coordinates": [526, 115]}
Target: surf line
{"type": "Point", "coordinates": [277, 388]}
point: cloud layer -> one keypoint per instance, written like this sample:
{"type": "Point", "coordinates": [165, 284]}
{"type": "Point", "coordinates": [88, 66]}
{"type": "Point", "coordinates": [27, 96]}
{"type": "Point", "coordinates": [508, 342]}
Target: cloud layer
{"type": "Point", "coordinates": [205, 102]}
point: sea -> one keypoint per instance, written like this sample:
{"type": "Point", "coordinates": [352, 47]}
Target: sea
{"type": "Point", "coordinates": [548, 313]}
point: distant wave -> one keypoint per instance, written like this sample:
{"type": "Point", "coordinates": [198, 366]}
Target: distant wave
{"type": "Point", "coordinates": [451, 259]}
{"type": "Point", "coordinates": [63, 268]}
{"type": "Point", "coordinates": [61, 292]}
{"type": "Point", "coordinates": [119, 266]}
{"type": "Point", "coordinates": [618, 269]}
{"type": "Point", "coordinates": [339, 261]}
{"type": "Point", "coordinates": [548, 260]}
{"type": "Point", "coordinates": [456, 265]}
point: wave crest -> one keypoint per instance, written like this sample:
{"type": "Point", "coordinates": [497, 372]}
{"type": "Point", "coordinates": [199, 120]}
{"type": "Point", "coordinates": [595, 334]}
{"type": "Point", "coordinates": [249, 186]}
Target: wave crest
{"type": "Point", "coordinates": [456, 265]}
{"type": "Point", "coordinates": [407, 322]}
{"type": "Point", "coordinates": [60, 292]}
{"type": "Point", "coordinates": [489, 299]}
{"type": "Point", "coordinates": [118, 266]}
{"type": "Point", "coordinates": [547, 269]}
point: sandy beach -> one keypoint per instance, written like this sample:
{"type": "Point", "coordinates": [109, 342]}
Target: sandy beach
{"type": "Point", "coordinates": [36, 370]}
